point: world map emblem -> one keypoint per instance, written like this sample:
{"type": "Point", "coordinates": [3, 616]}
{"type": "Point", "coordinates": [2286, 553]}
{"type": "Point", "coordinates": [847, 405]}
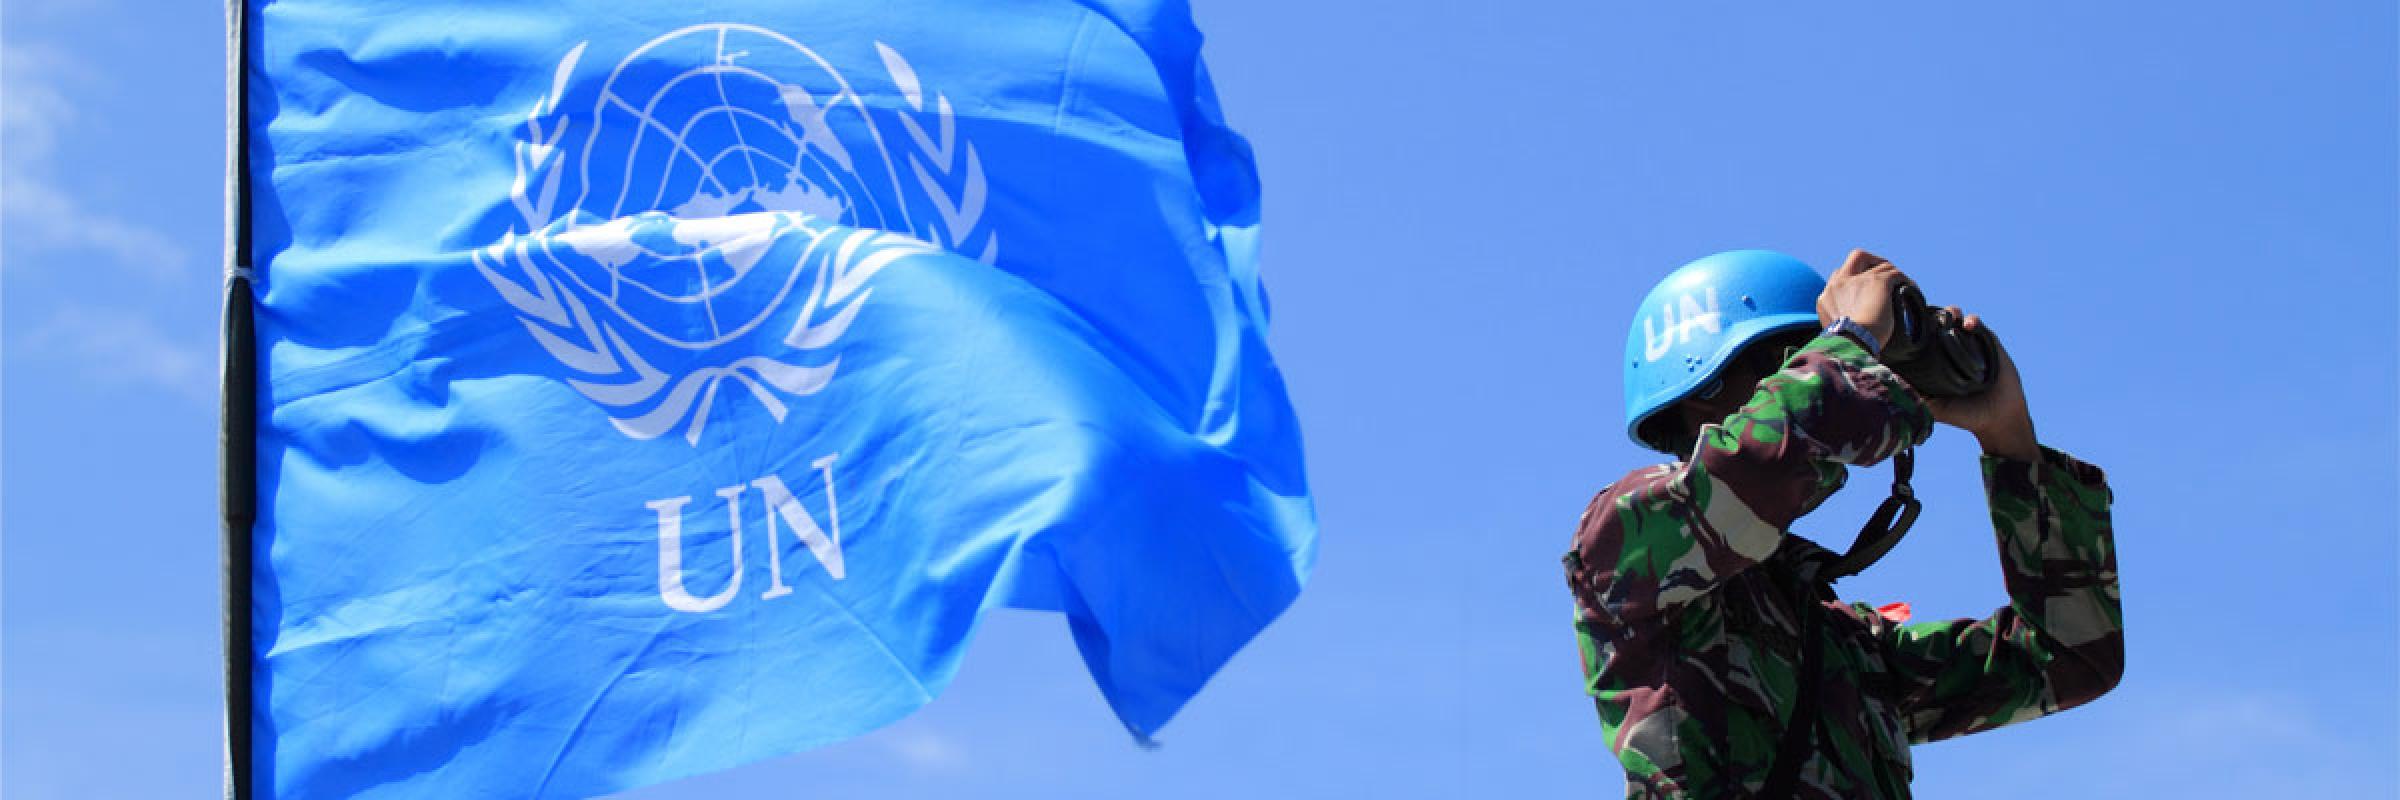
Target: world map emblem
{"type": "Point", "coordinates": [704, 223]}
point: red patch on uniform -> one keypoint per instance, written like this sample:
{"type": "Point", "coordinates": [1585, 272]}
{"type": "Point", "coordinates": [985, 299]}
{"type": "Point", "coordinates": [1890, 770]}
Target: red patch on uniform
{"type": "Point", "coordinates": [1896, 612]}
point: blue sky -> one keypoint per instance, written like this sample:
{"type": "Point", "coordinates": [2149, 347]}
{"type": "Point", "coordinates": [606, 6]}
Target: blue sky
{"type": "Point", "coordinates": [2181, 219]}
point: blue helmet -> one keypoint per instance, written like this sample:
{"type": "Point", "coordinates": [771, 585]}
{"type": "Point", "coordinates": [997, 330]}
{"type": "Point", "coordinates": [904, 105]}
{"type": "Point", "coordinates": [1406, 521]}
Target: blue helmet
{"type": "Point", "coordinates": [1693, 322]}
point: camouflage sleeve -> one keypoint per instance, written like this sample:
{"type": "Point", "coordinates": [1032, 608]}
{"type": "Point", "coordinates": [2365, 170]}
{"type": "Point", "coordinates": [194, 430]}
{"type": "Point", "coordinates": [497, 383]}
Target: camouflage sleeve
{"type": "Point", "coordinates": [1665, 535]}
{"type": "Point", "coordinates": [2060, 641]}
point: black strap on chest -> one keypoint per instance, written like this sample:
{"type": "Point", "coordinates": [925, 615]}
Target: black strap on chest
{"type": "Point", "coordinates": [1890, 522]}
{"type": "Point", "coordinates": [1883, 530]}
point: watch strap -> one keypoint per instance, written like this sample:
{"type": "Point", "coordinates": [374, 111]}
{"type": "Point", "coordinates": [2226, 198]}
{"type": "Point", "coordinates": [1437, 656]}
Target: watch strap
{"type": "Point", "coordinates": [1856, 332]}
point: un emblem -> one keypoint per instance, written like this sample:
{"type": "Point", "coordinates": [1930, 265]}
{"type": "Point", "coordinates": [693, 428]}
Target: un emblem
{"type": "Point", "coordinates": [712, 218]}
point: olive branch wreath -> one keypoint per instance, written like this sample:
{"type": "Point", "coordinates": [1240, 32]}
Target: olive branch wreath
{"type": "Point", "coordinates": [611, 373]}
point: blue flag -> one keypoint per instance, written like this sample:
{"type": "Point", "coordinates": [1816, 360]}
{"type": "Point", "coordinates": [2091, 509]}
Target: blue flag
{"type": "Point", "coordinates": [649, 388]}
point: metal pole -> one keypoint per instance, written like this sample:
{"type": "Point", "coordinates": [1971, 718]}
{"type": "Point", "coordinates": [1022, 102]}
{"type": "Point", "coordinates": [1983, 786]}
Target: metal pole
{"type": "Point", "coordinates": [238, 480]}
{"type": "Point", "coordinates": [237, 443]}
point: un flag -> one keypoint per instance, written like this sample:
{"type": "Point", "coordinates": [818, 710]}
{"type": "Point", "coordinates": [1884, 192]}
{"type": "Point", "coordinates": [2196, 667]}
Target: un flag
{"type": "Point", "coordinates": [645, 389]}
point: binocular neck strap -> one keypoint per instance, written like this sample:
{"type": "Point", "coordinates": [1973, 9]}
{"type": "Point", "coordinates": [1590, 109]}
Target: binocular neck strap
{"type": "Point", "coordinates": [1890, 522]}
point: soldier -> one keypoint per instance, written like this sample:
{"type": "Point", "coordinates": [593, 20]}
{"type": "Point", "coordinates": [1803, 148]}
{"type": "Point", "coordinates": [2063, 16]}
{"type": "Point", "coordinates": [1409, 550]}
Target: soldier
{"type": "Point", "coordinates": [1701, 618]}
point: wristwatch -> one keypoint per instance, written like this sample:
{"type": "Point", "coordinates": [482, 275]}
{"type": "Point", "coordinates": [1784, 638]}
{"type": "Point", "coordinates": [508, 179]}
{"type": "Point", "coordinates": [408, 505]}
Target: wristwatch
{"type": "Point", "coordinates": [1857, 333]}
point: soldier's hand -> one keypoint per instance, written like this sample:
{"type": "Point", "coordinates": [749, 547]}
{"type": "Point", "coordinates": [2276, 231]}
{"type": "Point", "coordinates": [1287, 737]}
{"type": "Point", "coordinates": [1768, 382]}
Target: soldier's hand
{"type": "Point", "coordinates": [1862, 291]}
{"type": "Point", "coordinates": [1998, 416]}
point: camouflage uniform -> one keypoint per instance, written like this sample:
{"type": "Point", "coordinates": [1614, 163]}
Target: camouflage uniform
{"type": "Point", "coordinates": [1688, 591]}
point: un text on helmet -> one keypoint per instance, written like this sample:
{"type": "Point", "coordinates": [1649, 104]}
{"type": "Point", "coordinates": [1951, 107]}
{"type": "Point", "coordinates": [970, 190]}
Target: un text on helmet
{"type": "Point", "coordinates": [1681, 317]}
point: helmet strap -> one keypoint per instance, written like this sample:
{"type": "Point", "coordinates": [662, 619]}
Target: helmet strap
{"type": "Point", "coordinates": [1890, 521]}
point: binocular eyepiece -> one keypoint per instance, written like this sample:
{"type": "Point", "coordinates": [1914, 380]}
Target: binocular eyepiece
{"type": "Point", "coordinates": [1932, 350]}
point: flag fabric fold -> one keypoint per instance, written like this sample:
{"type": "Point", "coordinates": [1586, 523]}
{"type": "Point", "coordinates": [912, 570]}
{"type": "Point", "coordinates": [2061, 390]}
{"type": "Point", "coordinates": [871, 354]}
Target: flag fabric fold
{"type": "Point", "coordinates": [646, 391]}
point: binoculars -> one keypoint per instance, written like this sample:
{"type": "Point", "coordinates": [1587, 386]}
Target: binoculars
{"type": "Point", "coordinates": [1932, 350]}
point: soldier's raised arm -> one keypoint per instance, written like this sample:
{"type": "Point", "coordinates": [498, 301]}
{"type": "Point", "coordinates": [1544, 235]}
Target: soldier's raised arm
{"type": "Point", "coordinates": [2059, 642]}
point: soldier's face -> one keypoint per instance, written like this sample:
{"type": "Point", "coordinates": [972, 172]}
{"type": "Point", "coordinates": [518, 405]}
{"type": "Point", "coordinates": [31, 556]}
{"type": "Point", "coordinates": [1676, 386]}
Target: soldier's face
{"type": "Point", "coordinates": [1739, 380]}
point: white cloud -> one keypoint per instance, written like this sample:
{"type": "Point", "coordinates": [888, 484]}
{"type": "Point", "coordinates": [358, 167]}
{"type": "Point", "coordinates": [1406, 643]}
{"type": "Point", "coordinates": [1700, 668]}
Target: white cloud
{"type": "Point", "coordinates": [2261, 738]}
{"type": "Point", "coordinates": [2238, 741]}
{"type": "Point", "coordinates": [121, 349]}
{"type": "Point", "coordinates": [56, 223]}
{"type": "Point", "coordinates": [34, 107]}
{"type": "Point", "coordinates": [922, 749]}
{"type": "Point", "coordinates": [111, 264]}
{"type": "Point", "coordinates": [37, 84]}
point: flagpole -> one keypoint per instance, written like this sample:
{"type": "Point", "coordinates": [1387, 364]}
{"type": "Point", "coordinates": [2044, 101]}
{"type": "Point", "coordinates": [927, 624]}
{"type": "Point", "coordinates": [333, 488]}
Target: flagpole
{"type": "Point", "coordinates": [237, 443]}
